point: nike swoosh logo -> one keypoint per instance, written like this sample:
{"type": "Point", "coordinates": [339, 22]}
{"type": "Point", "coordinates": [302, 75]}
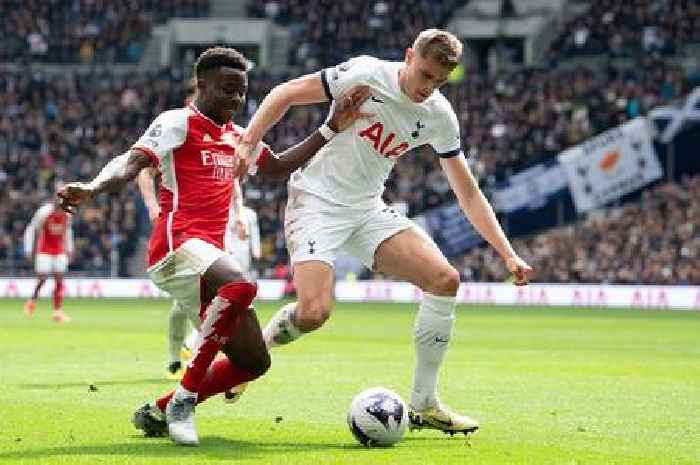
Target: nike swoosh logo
{"type": "Point", "coordinates": [378, 100]}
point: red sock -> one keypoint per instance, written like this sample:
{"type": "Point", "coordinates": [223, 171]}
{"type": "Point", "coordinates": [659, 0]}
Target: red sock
{"type": "Point", "coordinates": [58, 294]}
{"type": "Point", "coordinates": [218, 325]}
{"type": "Point", "coordinates": [39, 284]}
{"type": "Point", "coordinates": [221, 376]}
{"type": "Point", "coordinates": [162, 402]}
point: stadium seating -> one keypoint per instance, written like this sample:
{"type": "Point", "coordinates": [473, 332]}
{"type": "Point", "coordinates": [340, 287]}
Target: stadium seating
{"type": "Point", "coordinates": [85, 31]}
{"type": "Point", "coordinates": [65, 125]}
{"type": "Point", "coordinates": [630, 28]}
{"type": "Point", "coordinates": [382, 28]}
{"type": "Point", "coordinates": [630, 244]}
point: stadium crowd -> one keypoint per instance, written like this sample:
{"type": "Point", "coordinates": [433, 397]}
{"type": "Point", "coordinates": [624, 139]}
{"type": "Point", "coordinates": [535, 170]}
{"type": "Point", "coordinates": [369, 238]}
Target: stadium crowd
{"type": "Point", "coordinates": [381, 27]}
{"type": "Point", "coordinates": [630, 28]}
{"type": "Point", "coordinates": [67, 125]}
{"type": "Point", "coordinates": [630, 244]}
{"type": "Point", "coordinates": [85, 31]}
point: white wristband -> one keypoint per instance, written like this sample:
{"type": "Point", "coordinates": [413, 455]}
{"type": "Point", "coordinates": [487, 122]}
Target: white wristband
{"type": "Point", "coordinates": [326, 132]}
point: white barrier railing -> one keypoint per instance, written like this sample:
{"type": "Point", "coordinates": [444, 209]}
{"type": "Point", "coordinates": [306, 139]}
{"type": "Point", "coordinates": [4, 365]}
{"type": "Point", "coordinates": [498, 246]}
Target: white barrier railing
{"type": "Point", "coordinates": [577, 295]}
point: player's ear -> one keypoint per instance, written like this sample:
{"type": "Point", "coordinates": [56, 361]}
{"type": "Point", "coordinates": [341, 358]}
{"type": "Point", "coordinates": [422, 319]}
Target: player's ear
{"type": "Point", "coordinates": [409, 55]}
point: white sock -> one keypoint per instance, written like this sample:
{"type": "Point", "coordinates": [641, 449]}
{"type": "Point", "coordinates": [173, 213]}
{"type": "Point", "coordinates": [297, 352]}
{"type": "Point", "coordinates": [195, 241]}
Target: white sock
{"type": "Point", "coordinates": [177, 325]}
{"type": "Point", "coordinates": [280, 329]}
{"type": "Point", "coordinates": [182, 393]}
{"type": "Point", "coordinates": [432, 332]}
{"type": "Point", "coordinates": [191, 341]}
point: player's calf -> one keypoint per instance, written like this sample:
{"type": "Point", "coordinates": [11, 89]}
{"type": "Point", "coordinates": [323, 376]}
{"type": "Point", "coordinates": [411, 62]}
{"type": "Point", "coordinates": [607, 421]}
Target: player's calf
{"type": "Point", "coordinates": [312, 312]}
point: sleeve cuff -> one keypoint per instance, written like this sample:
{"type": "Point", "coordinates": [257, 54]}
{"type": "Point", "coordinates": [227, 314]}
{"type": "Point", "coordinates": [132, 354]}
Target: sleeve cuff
{"type": "Point", "coordinates": [450, 154]}
{"type": "Point", "coordinates": [261, 160]}
{"type": "Point", "coordinates": [326, 87]}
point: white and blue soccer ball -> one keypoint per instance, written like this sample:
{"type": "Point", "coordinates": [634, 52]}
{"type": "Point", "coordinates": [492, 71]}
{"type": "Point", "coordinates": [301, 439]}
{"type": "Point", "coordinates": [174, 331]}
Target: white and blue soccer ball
{"type": "Point", "coordinates": [378, 417]}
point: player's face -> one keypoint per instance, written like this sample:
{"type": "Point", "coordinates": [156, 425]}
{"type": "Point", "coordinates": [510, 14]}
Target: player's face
{"type": "Point", "coordinates": [224, 89]}
{"type": "Point", "coordinates": [423, 76]}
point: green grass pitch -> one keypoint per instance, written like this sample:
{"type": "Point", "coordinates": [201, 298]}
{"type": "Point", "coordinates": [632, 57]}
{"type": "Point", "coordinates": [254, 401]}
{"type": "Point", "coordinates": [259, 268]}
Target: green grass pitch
{"type": "Point", "coordinates": [550, 386]}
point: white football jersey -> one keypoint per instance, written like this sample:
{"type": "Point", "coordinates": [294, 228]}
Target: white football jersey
{"type": "Point", "coordinates": [352, 168]}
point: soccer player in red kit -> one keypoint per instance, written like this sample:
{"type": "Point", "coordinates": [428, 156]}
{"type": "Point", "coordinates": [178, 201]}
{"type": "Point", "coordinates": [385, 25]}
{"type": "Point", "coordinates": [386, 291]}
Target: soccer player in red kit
{"type": "Point", "coordinates": [194, 149]}
{"type": "Point", "coordinates": [48, 242]}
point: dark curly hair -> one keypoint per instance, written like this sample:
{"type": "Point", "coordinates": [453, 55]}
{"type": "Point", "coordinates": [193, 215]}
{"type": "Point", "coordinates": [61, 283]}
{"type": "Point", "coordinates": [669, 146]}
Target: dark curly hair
{"type": "Point", "coordinates": [220, 56]}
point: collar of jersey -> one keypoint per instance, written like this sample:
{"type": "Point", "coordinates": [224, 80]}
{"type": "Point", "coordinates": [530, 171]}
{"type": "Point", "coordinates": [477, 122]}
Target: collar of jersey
{"type": "Point", "coordinates": [194, 108]}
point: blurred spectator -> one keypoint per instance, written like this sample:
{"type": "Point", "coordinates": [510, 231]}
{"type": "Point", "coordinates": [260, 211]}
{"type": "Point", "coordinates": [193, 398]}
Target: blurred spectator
{"type": "Point", "coordinates": [630, 28]}
{"type": "Point", "coordinates": [67, 31]}
{"type": "Point", "coordinates": [653, 241]}
{"type": "Point", "coordinates": [383, 28]}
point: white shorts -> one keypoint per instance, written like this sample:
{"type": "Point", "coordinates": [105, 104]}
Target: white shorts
{"type": "Point", "coordinates": [179, 272]}
{"type": "Point", "coordinates": [47, 263]}
{"type": "Point", "coordinates": [316, 229]}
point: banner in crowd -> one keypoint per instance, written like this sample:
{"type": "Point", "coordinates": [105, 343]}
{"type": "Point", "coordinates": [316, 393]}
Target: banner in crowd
{"type": "Point", "coordinates": [610, 165]}
{"type": "Point", "coordinates": [576, 295]}
{"type": "Point", "coordinates": [529, 189]}
{"type": "Point", "coordinates": [450, 229]}
{"type": "Point", "coordinates": [670, 120]}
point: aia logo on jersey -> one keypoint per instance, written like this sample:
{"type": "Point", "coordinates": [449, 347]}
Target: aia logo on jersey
{"type": "Point", "coordinates": [384, 145]}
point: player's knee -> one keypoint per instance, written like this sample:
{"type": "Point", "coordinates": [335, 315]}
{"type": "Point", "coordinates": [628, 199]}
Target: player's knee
{"type": "Point", "coordinates": [446, 282]}
{"type": "Point", "coordinates": [312, 313]}
{"type": "Point", "coordinates": [239, 294]}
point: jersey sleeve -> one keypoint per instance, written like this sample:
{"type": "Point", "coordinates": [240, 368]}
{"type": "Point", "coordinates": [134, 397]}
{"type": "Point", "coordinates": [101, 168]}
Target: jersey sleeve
{"type": "Point", "coordinates": [166, 133]}
{"type": "Point", "coordinates": [254, 233]}
{"type": "Point", "coordinates": [36, 223]}
{"type": "Point", "coordinates": [447, 141]}
{"type": "Point", "coordinates": [342, 77]}
{"type": "Point", "coordinates": [70, 243]}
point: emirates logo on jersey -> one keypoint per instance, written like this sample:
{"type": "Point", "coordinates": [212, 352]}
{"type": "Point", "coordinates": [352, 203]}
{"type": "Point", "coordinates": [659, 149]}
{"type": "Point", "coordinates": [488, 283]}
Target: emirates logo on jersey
{"type": "Point", "coordinates": [56, 228]}
{"type": "Point", "coordinates": [221, 162]}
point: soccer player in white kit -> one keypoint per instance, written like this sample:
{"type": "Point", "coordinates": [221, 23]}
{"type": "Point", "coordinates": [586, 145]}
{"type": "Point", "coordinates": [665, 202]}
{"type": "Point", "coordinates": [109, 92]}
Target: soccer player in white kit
{"type": "Point", "coordinates": [335, 202]}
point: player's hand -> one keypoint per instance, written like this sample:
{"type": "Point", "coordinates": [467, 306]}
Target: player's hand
{"type": "Point", "coordinates": [153, 211]}
{"type": "Point", "coordinates": [519, 269]}
{"type": "Point", "coordinates": [241, 228]}
{"type": "Point", "coordinates": [73, 194]}
{"type": "Point", "coordinates": [241, 162]}
{"type": "Point", "coordinates": [347, 108]}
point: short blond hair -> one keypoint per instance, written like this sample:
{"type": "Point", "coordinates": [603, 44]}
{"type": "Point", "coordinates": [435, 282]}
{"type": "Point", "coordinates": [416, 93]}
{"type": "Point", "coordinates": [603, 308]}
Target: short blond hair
{"type": "Point", "coordinates": [439, 44]}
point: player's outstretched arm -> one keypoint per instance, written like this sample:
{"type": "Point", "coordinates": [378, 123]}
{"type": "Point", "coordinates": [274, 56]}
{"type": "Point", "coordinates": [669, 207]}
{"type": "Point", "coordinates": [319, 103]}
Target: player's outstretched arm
{"type": "Point", "coordinates": [344, 113]}
{"type": "Point", "coordinates": [481, 215]}
{"type": "Point", "coordinates": [304, 90]}
{"type": "Point", "coordinates": [115, 175]}
{"type": "Point", "coordinates": [145, 180]}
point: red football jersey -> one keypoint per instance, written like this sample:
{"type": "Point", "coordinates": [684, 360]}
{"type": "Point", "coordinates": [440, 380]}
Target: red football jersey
{"type": "Point", "coordinates": [195, 158]}
{"type": "Point", "coordinates": [53, 227]}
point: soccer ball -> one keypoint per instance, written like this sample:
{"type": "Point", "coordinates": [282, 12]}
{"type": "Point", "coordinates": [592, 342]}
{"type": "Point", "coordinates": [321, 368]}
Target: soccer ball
{"type": "Point", "coordinates": [377, 417]}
